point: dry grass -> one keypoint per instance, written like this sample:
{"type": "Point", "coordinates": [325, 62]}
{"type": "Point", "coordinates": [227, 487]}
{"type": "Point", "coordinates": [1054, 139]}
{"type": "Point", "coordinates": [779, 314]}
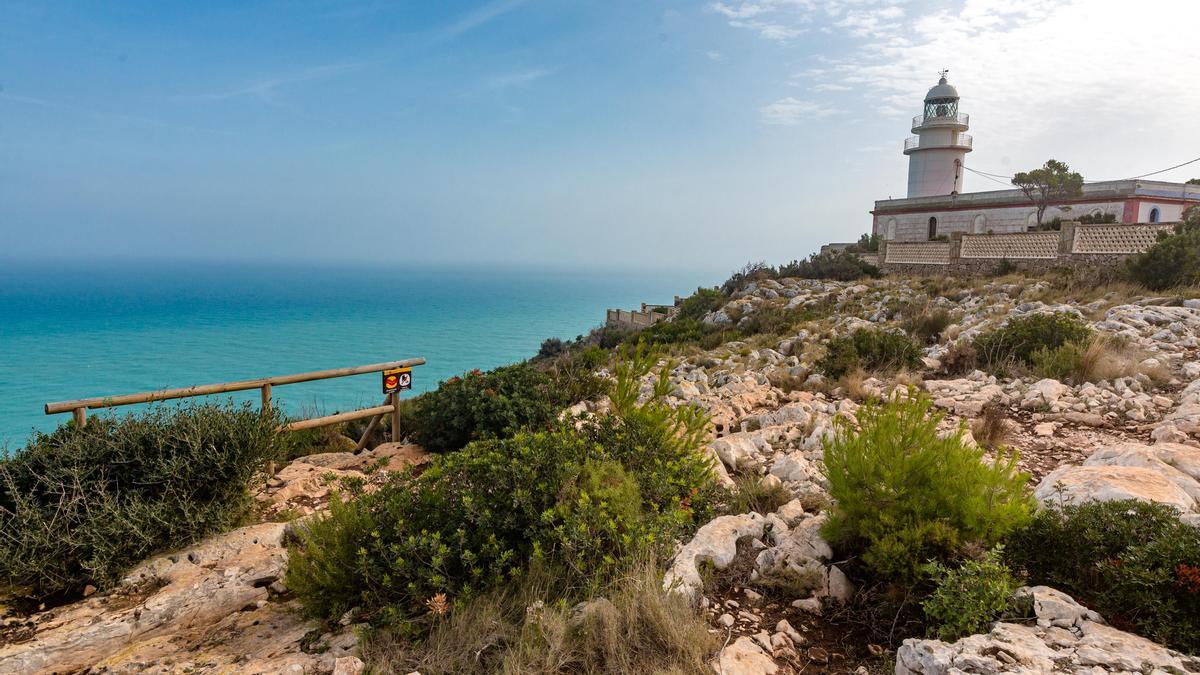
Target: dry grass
{"type": "Point", "coordinates": [852, 385]}
{"type": "Point", "coordinates": [636, 629]}
{"type": "Point", "coordinates": [1108, 357]}
{"type": "Point", "coordinates": [990, 429]}
{"type": "Point", "coordinates": [752, 493]}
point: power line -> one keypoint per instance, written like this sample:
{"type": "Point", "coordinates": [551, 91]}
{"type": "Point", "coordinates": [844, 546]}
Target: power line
{"type": "Point", "coordinates": [989, 177]}
{"type": "Point", "coordinates": [1191, 161]}
{"type": "Point", "coordinates": [992, 176]}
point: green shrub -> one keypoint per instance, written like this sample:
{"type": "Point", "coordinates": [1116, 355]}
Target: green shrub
{"type": "Point", "coordinates": [80, 506]}
{"type": "Point", "coordinates": [870, 350]}
{"type": "Point", "coordinates": [1016, 342]}
{"type": "Point", "coordinates": [1135, 563]}
{"type": "Point", "coordinates": [473, 519]}
{"type": "Point", "coordinates": [670, 332]}
{"type": "Point", "coordinates": [967, 599]}
{"type": "Point", "coordinates": [1057, 363]}
{"type": "Point", "coordinates": [1174, 260]}
{"type": "Point", "coordinates": [700, 303]}
{"type": "Point", "coordinates": [551, 347]}
{"type": "Point", "coordinates": [838, 265]}
{"type": "Point", "coordinates": [904, 495]}
{"type": "Point", "coordinates": [494, 404]}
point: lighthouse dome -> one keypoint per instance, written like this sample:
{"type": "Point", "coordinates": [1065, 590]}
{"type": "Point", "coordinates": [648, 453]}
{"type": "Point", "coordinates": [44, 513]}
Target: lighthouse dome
{"type": "Point", "coordinates": [942, 91]}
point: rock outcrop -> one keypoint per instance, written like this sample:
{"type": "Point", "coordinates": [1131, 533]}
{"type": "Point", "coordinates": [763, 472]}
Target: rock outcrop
{"type": "Point", "coordinates": [1067, 638]}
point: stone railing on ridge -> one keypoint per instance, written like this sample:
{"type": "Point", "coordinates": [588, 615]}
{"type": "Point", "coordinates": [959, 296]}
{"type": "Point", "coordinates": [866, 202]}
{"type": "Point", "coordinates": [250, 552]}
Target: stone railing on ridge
{"type": "Point", "coordinates": [1017, 245]}
{"type": "Point", "coordinates": [1116, 238]}
{"type": "Point", "coordinates": [918, 253]}
{"type": "Point", "coordinates": [1074, 244]}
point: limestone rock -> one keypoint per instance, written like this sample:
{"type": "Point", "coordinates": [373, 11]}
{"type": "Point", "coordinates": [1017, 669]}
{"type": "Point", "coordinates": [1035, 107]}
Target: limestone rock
{"type": "Point", "coordinates": [744, 657]}
{"type": "Point", "coordinates": [207, 605]}
{"type": "Point", "coordinates": [715, 542]}
{"type": "Point", "coordinates": [1067, 638]}
{"type": "Point", "coordinates": [1108, 483]}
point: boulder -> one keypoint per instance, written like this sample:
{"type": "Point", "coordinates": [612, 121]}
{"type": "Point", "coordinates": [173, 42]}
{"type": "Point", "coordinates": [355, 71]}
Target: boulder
{"type": "Point", "coordinates": [207, 606]}
{"type": "Point", "coordinates": [744, 657]}
{"type": "Point", "coordinates": [716, 543]}
{"type": "Point", "coordinates": [1068, 638]}
{"type": "Point", "coordinates": [1179, 464]}
{"type": "Point", "coordinates": [1078, 484]}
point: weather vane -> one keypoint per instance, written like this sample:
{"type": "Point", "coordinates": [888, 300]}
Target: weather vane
{"type": "Point", "coordinates": [943, 72]}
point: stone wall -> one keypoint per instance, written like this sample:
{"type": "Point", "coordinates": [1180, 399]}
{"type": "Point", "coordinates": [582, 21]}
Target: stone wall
{"type": "Point", "coordinates": [1075, 245]}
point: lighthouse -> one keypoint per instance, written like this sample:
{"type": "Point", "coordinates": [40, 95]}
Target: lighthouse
{"type": "Point", "coordinates": [937, 154]}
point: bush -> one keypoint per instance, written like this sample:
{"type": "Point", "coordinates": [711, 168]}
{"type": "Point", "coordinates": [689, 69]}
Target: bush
{"type": "Point", "coordinates": [870, 350]}
{"type": "Point", "coordinates": [1016, 342]}
{"type": "Point", "coordinates": [670, 332]}
{"type": "Point", "coordinates": [1174, 260]}
{"type": "Point", "coordinates": [966, 600]}
{"type": "Point", "coordinates": [495, 404]}
{"type": "Point", "coordinates": [700, 303]}
{"type": "Point", "coordinates": [1135, 563]}
{"type": "Point", "coordinates": [960, 359]}
{"type": "Point", "coordinates": [80, 506]}
{"type": "Point", "coordinates": [585, 500]}
{"type": "Point", "coordinates": [904, 495]}
{"type": "Point", "coordinates": [838, 265]}
{"type": "Point", "coordinates": [928, 324]}
{"type": "Point", "coordinates": [551, 347]}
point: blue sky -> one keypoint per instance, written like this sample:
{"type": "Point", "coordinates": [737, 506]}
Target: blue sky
{"type": "Point", "coordinates": [683, 134]}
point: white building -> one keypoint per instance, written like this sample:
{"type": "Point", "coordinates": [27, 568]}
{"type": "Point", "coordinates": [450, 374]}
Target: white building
{"type": "Point", "coordinates": [935, 205]}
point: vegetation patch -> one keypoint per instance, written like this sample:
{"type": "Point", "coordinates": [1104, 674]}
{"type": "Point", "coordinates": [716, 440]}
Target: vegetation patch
{"type": "Point", "coordinates": [586, 500]}
{"type": "Point", "coordinates": [871, 350]}
{"type": "Point", "coordinates": [1135, 563]}
{"type": "Point", "coordinates": [903, 495]}
{"type": "Point", "coordinates": [1016, 343]}
{"type": "Point", "coordinates": [967, 599]}
{"type": "Point", "coordinates": [495, 404]}
{"type": "Point", "coordinates": [1174, 260]}
{"type": "Point", "coordinates": [80, 506]}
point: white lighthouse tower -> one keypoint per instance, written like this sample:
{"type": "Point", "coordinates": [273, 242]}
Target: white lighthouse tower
{"type": "Point", "coordinates": [937, 154]}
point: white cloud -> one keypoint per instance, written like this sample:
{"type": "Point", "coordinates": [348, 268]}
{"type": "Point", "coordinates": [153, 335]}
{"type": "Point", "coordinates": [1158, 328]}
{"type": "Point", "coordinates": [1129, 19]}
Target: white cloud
{"type": "Point", "coordinates": [715, 55]}
{"type": "Point", "coordinates": [1093, 82]}
{"type": "Point", "coordinates": [793, 111]}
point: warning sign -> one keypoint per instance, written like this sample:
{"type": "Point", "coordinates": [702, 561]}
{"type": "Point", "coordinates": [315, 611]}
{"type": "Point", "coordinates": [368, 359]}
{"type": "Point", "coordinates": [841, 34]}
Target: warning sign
{"type": "Point", "coordinates": [397, 379]}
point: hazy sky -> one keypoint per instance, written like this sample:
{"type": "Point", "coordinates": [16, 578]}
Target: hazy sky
{"type": "Point", "coordinates": [607, 132]}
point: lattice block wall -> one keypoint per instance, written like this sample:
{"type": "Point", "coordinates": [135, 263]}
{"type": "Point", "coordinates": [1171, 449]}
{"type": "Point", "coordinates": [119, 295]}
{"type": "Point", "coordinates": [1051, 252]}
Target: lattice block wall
{"type": "Point", "coordinates": [1116, 238]}
{"type": "Point", "coordinates": [918, 252]}
{"type": "Point", "coordinates": [1025, 245]}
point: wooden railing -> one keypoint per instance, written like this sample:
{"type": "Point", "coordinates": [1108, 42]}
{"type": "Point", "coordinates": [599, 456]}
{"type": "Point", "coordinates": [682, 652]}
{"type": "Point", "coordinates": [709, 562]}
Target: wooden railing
{"type": "Point", "coordinates": [79, 407]}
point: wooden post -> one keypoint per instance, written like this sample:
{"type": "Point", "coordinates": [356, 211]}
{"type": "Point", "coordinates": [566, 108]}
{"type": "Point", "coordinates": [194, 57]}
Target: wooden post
{"type": "Point", "coordinates": [266, 397]}
{"type": "Point", "coordinates": [80, 415]}
{"type": "Point", "coordinates": [362, 442]}
{"type": "Point", "coordinates": [396, 417]}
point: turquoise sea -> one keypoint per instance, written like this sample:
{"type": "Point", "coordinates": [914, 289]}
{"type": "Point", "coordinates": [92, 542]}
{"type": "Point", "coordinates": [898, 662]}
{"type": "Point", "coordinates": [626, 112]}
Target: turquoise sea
{"type": "Point", "coordinates": [72, 331]}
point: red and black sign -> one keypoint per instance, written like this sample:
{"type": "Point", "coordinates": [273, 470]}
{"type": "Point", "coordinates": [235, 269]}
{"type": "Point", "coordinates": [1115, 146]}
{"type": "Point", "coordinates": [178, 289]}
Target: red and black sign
{"type": "Point", "coordinates": [397, 379]}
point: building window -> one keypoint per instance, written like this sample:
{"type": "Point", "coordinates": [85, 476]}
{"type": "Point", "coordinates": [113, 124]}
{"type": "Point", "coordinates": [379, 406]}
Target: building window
{"type": "Point", "coordinates": [980, 224]}
{"type": "Point", "coordinates": [1154, 215]}
{"type": "Point", "coordinates": [932, 228]}
{"type": "Point", "coordinates": [891, 229]}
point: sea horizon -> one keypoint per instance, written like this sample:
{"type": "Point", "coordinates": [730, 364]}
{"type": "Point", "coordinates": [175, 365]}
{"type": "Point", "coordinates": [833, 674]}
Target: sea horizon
{"type": "Point", "coordinates": [76, 329]}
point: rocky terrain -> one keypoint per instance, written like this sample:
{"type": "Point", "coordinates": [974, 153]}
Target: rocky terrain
{"type": "Point", "coordinates": [222, 606]}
